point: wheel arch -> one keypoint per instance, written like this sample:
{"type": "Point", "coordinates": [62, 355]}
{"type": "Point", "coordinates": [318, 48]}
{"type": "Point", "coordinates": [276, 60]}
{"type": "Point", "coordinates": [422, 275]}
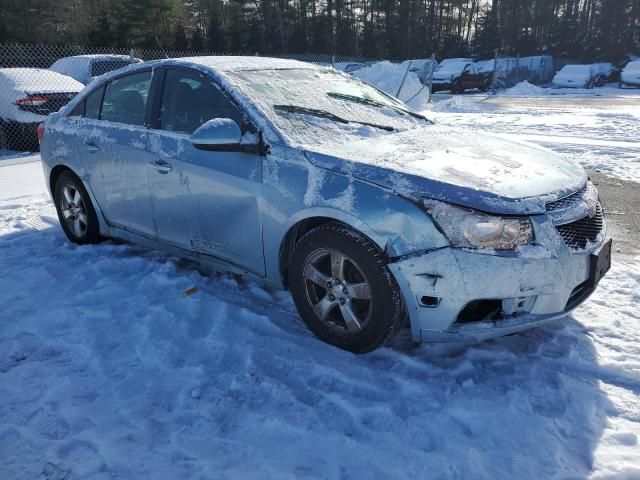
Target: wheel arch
{"type": "Point", "coordinates": [300, 227]}
{"type": "Point", "coordinates": [58, 170]}
{"type": "Point", "coordinates": [55, 174]}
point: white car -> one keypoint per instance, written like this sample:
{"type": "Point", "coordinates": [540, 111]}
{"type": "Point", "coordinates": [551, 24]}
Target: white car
{"type": "Point", "coordinates": [27, 96]}
{"type": "Point", "coordinates": [630, 76]}
{"type": "Point", "coordinates": [85, 68]}
{"type": "Point", "coordinates": [575, 76]}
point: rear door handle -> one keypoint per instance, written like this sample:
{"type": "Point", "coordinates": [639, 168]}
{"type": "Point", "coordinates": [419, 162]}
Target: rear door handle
{"type": "Point", "coordinates": [92, 147]}
{"type": "Point", "coordinates": [161, 166]}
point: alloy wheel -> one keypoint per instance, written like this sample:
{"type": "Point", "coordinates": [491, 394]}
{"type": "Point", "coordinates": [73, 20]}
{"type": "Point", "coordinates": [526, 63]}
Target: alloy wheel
{"type": "Point", "coordinates": [337, 291]}
{"type": "Point", "coordinates": [74, 211]}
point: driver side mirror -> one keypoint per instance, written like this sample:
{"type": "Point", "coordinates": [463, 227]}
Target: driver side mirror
{"type": "Point", "coordinates": [224, 135]}
{"type": "Point", "coordinates": [216, 132]}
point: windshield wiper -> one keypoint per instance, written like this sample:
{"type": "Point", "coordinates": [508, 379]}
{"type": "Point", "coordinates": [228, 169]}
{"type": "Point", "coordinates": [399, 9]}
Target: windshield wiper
{"type": "Point", "coordinates": [324, 114]}
{"type": "Point", "coordinates": [375, 103]}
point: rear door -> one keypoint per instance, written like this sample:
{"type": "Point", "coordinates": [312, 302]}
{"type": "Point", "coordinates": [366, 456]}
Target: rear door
{"type": "Point", "coordinates": [113, 140]}
{"type": "Point", "coordinates": [206, 201]}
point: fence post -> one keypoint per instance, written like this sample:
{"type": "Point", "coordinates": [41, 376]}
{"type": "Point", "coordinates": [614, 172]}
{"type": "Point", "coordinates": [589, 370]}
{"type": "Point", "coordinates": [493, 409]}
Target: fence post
{"type": "Point", "coordinates": [431, 70]}
{"type": "Point", "coordinates": [494, 79]}
{"type": "Point", "coordinates": [403, 79]}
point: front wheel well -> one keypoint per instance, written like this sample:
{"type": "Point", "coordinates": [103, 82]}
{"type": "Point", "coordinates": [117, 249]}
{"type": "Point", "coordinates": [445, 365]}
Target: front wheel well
{"type": "Point", "coordinates": [294, 234]}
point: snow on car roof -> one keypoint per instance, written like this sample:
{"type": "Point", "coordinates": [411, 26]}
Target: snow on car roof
{"type": "Point", "coordinates": [37, 80]}
{"type": "Point", "coordinates": [100, 56]}
{"type": "Point", "coordinates": [232, 63]}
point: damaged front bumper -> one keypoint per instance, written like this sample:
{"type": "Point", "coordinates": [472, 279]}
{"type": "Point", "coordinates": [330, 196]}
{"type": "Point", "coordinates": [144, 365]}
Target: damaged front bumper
{"type": "Point", "coordinates": [456, 295]}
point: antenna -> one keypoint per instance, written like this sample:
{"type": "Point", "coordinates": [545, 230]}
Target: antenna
{"type": "Point", "coordinates": [160, 45]}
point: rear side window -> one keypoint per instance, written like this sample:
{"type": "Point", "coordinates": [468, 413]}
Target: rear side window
{"type": "Point", "coordinates": [125, 99]}
{"type": "Point", "coordinates": [92, 103]}
{"type": "Point", "coordinates": [190, 99]}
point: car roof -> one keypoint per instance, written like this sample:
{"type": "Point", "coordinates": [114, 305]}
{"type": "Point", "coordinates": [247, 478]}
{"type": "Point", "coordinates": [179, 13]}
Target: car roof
{"type": "Point", "coordinates": [99, 56]}
{"type": "Point", "coordinates": [239, 63]}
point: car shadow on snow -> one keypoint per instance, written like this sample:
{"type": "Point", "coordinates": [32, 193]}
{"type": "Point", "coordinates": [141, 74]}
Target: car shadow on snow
{"type": "Point", "coordinates": [228, 380]}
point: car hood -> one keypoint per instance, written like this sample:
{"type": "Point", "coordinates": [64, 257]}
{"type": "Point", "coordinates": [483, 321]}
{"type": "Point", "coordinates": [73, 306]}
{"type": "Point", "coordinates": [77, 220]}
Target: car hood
{"type": "Point", "coordinates": [458, 166]}
{"type": "Point", "coordinates": [632, 76]}
{"type": "Point", "coordinates": [445, 75]}
{"type": "Point", "coordinates": [572, 78]}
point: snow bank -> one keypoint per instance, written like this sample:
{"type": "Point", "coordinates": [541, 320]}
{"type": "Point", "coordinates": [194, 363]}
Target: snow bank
{"type": "Point", "coordinates": [108, 371]}
{"type": "Point", "coordinates": [388, 77]}
{"type": "Point", "coordinates": [524, 89]}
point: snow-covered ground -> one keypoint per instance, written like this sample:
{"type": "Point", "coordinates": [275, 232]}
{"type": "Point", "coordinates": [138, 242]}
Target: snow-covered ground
{"type": "Point", "coordinates": [108, 371]}
{"type": "Point", "coordinates": [599, 129]}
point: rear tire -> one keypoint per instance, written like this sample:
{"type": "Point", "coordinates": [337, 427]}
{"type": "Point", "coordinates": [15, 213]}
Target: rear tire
{"type": "Point", "coordinates": [75, 211]}
{"type": "Point", "coordinates": [343, 290]}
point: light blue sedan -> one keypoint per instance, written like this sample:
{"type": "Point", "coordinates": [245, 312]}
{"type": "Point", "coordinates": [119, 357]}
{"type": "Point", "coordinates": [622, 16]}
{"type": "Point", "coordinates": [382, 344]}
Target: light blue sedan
{"type": "Point", "coordinates": [301, 177]}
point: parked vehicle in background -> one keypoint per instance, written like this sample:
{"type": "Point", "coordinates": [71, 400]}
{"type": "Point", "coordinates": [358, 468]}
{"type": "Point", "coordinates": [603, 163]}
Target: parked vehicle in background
{"type": "Point", "coordinates": [27, 96]}
{"type": "Point", "coordinates": [630, 76]}
{"type": "Point", "coordinates": [575, 76]}
{"type": "Point", "coordinates": [302, 177]}
{"type": "Point", "coordinates": [458, 76]}
{"type": "Point", "coordinates": [605, 72]}
{"type": "Point", "coordinates": [423, 68]}
{"type": "Point", "coordinates": [85, 68]}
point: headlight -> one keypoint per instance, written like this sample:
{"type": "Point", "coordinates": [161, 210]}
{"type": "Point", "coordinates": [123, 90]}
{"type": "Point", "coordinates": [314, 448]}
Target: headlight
{"type": "Point", "coordinates": [470, 229]}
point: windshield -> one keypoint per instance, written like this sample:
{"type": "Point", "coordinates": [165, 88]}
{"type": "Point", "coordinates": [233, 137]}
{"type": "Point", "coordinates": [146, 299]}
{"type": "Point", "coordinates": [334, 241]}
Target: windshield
{"type": "Point", "coordinates": [576, 69]}
{"type": "Point", "coordinates": [633, 67]}
{"type": "Point", "coordinates": [451, 67]}
{"type": "Point", "coordinates": [312, 106]}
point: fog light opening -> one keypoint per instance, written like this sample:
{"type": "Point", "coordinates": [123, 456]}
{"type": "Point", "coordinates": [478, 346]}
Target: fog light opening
{"type": "Point", "coordinates": [478, 310]}
{"type": "Point", "coordinates": [430, 302]}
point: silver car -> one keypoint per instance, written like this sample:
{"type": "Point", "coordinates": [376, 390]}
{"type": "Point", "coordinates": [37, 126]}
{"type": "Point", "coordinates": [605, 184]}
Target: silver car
{"type": "Point", "coordinates": [302, 177]}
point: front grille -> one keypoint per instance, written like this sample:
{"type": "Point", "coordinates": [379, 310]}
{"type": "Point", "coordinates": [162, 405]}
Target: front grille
{"type": "Point", "coordinates": [577, 234]}
{"type": "Point", "coordinates": [568, 201]}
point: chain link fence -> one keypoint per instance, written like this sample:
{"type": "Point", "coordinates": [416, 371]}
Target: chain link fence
{"type": "Point", "coordinates": [509, 71]}
{"type": "Point", "coordinates": [36, 80]}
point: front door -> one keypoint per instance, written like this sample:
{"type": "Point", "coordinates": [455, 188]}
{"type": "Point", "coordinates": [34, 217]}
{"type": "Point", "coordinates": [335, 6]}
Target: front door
{"type": "Point", "coordinates": [206, 201]}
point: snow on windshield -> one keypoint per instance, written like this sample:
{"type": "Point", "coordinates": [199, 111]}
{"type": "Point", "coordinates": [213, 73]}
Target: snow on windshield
{"type": "Point", "coordinates": [576, 69]}
{"type": "Point", "coordinates": [633, 66]}
{"type": "Point", "coordinates": [451, 67]}
{"type": "Point", "coordinates": [322, 93]}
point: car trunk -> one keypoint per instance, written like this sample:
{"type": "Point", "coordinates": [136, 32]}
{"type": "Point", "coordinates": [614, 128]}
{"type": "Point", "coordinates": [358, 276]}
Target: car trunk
{"type": "Point", "coordinates": [44, 103]}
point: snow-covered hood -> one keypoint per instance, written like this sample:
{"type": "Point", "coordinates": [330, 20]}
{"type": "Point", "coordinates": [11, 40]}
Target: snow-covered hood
{"type": "Point", "coordinates": [459, 166]}
{"type": "Point", "coordinates": [572, 78]}
{"type": "Point", "coordinates": [630, 76]}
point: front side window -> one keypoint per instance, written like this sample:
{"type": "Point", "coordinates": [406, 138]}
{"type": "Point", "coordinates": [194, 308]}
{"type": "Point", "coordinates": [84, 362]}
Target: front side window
{"type": "Point", "coordinates": [190, 99]}
{"type": "Point", "coordinates": [126, 97]}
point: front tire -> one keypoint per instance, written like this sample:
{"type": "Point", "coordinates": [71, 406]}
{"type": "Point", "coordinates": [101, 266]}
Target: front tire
{"type": "Point", "coordinates": [75, 211]}
{"type": "Point", "coordinates": [343, 290]}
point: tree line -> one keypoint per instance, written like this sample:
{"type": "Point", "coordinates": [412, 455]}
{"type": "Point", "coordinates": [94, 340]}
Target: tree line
{"type": "Point", "coordinates": [585, 30]}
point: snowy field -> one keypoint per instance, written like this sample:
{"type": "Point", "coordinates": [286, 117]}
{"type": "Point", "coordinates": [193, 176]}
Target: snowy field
{"type": "Point", "coordinates": [108, 372]}
{"type": "Point", "coordinates": [599, 128]}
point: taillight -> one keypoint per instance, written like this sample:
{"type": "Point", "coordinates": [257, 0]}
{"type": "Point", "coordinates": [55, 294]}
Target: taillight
{"type": "Point", "coordinates": [31, 101]}
{"type": "Point", "coordinates": [40, 132]}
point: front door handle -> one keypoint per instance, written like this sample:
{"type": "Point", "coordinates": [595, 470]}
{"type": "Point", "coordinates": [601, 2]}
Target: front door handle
{"type": "Point", "coordinates": [161, 166]}
{"type": "Point", "coordinates": [92, 147]}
